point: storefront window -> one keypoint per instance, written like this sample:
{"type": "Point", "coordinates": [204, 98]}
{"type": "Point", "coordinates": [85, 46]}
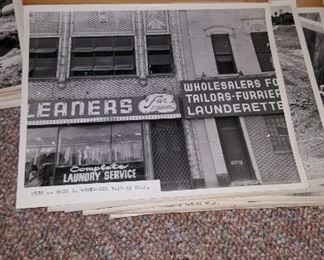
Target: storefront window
{"type": "Point", "coordinates": [87, 145]}
{"type": "Point", "coordinates": [40, 155]}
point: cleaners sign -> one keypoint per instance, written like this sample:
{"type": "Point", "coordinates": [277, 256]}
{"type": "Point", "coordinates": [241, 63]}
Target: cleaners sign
{"type": "Point", "coordinates": [154, 106]}
{"type": "Point", "coordinates": [236, 96]}
{"type": "Point", "coordinates": [114, 172]}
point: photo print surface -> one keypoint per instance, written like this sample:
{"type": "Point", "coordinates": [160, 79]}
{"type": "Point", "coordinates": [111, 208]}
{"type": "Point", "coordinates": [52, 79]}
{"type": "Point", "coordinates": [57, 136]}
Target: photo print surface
{"type": "Point", "coordinates": [10, 57]}
{"type": "Point", "coordinates": [304, 111]}
{"type": "Point", "coordinates": [313, 27]}
{"type": "Point", "coordinates": [187, 98]}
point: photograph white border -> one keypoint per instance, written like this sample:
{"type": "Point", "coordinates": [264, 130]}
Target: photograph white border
{"type": "Point", "coordinates": [11, 96]}
{"type": "Point", "coordinates": [308, 61]}
{"type": "Point", "coordinates": [24, 198]}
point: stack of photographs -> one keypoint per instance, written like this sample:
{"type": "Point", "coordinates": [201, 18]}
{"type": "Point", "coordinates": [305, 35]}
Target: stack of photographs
{"type": "Point", "coordinates": [10, 56]}
{"type": "Point", "coordinates": [136, 109]}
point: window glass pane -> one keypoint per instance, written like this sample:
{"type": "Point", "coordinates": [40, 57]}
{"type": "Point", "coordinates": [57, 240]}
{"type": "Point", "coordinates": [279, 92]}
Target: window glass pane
{"type": "Point", "coordinates": [43, 57]}
{"type": "Point", "coordinates": [127, 142]}
{"type": "Point", "coordinates": [159, 52]}
{"type": "Point", "coordinates": [40, 156]}
{"type": "Point", "coordinates": [262, 48]}
{"type": "Point", "coordinates": [223, 54]}
{"type": "Point", "coordinates": [87, 145]}
{"type": "Point", "coordinates": [82, 145]}
{"type": "Point", "coordinates": [94, 56]}
{"type": "Point", "coordinates": [221, 44]}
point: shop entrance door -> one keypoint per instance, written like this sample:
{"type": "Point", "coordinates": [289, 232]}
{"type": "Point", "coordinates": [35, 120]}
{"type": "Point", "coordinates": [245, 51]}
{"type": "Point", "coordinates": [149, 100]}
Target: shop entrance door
{"type": "Point", "coordinates": [170, 161]}
{"type": "Point", "coordinates": [234, 148]}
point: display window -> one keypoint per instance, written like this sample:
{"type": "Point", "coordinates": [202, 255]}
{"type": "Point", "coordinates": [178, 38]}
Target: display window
{"type": "Point", "coordinates": [52, 148]}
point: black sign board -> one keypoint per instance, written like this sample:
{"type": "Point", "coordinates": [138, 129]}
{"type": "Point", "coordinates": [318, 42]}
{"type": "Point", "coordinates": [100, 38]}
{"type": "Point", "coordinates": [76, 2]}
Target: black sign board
{"type": "Point", "coordinates": [235, 96]}
{"type": "Point", "coordinates": [154, 106]}
{"type": "Point", "coordinates": [114, 172]}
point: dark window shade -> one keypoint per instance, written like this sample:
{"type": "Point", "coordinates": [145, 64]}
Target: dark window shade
{"type": "Point", "coordinates": [95, 56]}
{"type": "Point", "coordinates": [159, 53]}
{"type": "Point", "coordinates": [43, 54]}
{"type": "Point", "coordinates": [263, 51]}
{"type": "Point", "coordinates": [223, 54]}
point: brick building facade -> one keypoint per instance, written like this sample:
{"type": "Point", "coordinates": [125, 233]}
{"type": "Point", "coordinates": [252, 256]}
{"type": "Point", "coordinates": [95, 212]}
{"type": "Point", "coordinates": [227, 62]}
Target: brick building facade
{"type": "Point", "coordinates": [151, 52]}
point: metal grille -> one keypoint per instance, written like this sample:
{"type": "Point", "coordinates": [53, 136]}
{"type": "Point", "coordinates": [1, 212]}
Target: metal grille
{"type": "Point", "coordinates": [44, 23]}
{"type": "Point", "coordinates": [170, 161]}
{"type": "Point", "coordinates": [156, 22]}
{"type": "Point", "coordinates": [101, 87]}
{"type": "Point", "coordinates": [106, 23]}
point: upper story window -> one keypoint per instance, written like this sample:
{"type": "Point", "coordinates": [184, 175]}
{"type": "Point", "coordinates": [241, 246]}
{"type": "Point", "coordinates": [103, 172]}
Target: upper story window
{"type": "Point", "coordinates": [95, 56]}
{"type": "Point", "coordinates": [43, 54]}
{"type": "Point", "coordinates": [263, 51]}
{"type": "Point", "coordinates": [159, 53]}
{"type": "Point", "coordinates": [278, 133]}
{"type": "Point", "coordinates": [223, 54]}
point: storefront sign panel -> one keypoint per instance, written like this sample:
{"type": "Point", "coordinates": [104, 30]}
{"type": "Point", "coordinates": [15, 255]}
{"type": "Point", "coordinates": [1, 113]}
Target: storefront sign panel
{"type": "Point", "coordinates": [235, 96]}
{"type": "Point", "coordinates": [115, 172]}
{"type": "Point", "coordinates": [154, 106]}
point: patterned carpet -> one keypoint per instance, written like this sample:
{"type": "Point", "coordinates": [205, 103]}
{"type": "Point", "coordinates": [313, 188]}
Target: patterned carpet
{"type": "Point", "coordinates": [290, 233]}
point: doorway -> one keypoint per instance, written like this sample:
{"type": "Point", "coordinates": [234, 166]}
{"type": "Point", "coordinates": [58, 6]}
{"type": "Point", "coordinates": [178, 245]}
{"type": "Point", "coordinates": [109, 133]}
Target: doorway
{"type": "Point", "coordinates": [237, 159]}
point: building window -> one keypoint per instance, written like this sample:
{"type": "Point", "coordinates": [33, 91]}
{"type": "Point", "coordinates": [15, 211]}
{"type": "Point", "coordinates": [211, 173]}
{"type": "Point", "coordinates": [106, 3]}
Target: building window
{"type": "Point", "coordinates": [40, 156]}
{"type": "Point", "coordinates": [43, 54]}
{"type": "Point", "coordinates": [278, 133]}
{"type": "Point", "coordinates": [159, 53]}
{"type": "Point", "coordinates": [223, 54]}
{"type": "Point", "coordinates": [263, 51]}
{"type": "Point", "coordinates": [98, 144]}
{"type": "Point", "coordinates": [53, 148]}
{"type": "Point", "coordinates": [100, 56]}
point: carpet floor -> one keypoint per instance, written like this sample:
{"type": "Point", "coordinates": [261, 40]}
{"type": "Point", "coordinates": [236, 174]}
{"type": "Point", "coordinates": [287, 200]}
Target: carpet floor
{"type": "Point", "coordinates": [282, 233]}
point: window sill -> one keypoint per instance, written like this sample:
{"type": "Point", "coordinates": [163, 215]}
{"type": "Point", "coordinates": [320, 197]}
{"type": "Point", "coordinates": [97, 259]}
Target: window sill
{"type": "Point", "coordinates": [102, 77]}
{"type": "Point", "coordinates": [283, 152]}
{"type": "Point", "coordinates": [155, 75]}
{"type": "Point", "coordinates": [42, 79]}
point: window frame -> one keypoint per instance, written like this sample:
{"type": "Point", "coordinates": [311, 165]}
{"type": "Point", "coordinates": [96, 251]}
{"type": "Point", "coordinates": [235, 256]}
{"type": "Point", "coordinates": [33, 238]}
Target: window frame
{"type": "Point", "coordinates": [170, 50]}
{"type": "Point", "coordinates": [94, 55]}
{"type": "Point", "coordinates": [34, 53]}
{"type": "Point", "coordinates": [227, 35]}
{"type": "Point", "coordinates": [258, 52]}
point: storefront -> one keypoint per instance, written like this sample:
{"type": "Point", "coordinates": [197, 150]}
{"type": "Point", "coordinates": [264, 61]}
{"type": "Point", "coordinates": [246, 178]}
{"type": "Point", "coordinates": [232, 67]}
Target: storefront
{"type": "Point", "coordinates": [96, 140]}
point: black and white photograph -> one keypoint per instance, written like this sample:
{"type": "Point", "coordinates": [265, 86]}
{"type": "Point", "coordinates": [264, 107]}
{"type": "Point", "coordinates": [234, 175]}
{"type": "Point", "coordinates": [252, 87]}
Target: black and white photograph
{"type": "Point", "coordinates": [186, 97]}
{"type": "Point", "coordinates": [305, 114]}
{"type": "Point", "coordinates": [10, 56]}
{"type": "Point", "coordinates": [313, 27]}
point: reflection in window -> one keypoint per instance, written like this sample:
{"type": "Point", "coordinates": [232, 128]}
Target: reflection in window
{"type": "Point", "coordinates": [40, 156]}
{"type": "Point", "coordinates": [86, 145]}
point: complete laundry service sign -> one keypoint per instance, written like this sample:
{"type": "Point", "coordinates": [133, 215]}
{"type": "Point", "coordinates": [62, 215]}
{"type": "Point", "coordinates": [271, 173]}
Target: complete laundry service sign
{"type": "Point", "coordinates": [236, 96]}
{"type": "Point", "coordinates": [114, 172]}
